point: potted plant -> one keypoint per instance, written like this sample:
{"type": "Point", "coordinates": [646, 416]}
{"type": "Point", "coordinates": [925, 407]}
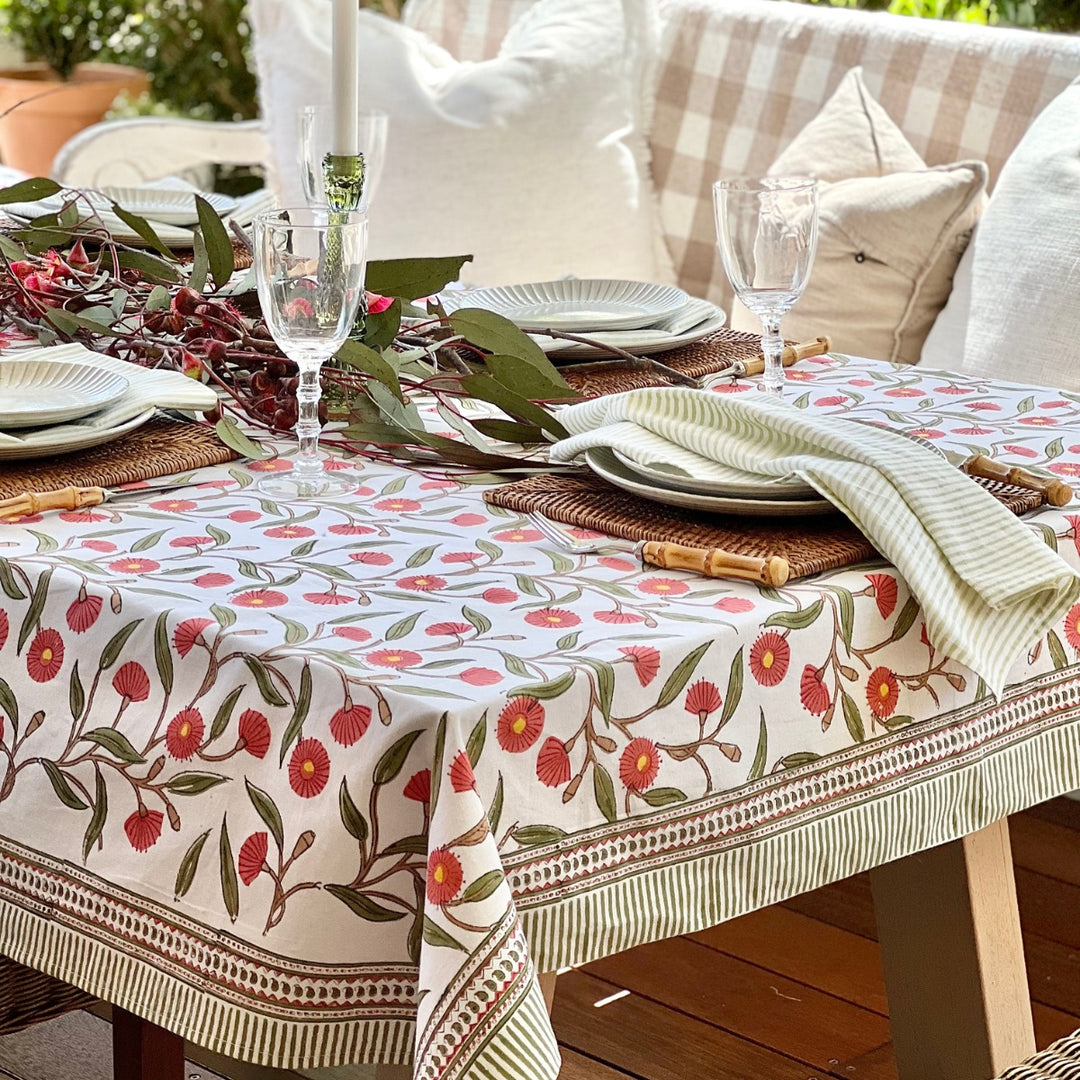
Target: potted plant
{"type": "Point", "coordinates": [59, 90]}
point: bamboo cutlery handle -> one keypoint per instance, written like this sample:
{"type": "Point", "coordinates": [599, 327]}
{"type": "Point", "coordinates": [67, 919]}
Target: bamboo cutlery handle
{"type": "Point", "coordinates": [792, 354]}
{"type": "Point", "coordinates": [714, 562]}
{"type": "Point", "coordinates": [34, 502]}
{"type": "Point", "coordinates": [1055, 492]}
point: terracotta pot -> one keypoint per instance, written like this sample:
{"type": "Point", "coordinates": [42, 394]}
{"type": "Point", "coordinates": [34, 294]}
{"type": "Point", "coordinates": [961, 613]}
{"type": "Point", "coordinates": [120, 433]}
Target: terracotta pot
{"type": "Point", "coordinates": [46, 112]}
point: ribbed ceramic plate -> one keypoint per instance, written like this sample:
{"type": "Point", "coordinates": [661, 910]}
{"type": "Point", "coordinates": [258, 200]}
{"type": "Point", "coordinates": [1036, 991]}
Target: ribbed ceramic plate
{"type": "Point", "coordinates": [576, 304]}
{"type": "Point", "coordinates": [642, 342]}
{"type": "Point", "coordinates": [604, 463]}
{"type": "Point", "coordinates": [38, 392]}
{"type": "Point", "coordinates": [67, 438]}
{"type": "Point", "coordinates": [166, 205]}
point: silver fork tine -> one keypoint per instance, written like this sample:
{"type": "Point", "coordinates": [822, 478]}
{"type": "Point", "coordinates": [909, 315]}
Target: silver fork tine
{"type": "Point", "coordinates": [567, 542]}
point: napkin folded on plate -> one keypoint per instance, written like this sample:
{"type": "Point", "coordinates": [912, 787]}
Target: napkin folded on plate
{"type": "Point", "coordinates": [147, 389]}
{"type": "Point", "coordinates": [989, 588]}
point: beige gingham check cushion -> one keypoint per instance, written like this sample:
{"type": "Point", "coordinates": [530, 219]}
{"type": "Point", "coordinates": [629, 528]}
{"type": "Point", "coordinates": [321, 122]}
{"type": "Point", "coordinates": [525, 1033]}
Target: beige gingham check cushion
{"type": "Point", "coordinates": [738, 79]}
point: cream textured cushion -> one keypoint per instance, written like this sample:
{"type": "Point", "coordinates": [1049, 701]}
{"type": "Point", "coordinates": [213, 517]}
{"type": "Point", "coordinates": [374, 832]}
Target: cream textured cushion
{"type": "Point", "coordinates": [535, 162]}
{"type": "Point", "coordinates": [891, 231]}
{"type": "Point", "coordinates": [1015, 309]}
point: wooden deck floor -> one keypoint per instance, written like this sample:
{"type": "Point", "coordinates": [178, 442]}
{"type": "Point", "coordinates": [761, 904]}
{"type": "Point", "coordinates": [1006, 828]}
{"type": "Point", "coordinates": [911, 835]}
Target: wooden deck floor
{"type": "Point", "coordinates": [796, 991]}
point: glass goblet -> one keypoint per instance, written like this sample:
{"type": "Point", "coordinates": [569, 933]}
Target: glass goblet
{"type": "Point", "coordinates": [316, 141]}
{"type": "Point", "coordinates": [767, 232]}
{"type": "Point", "coordinates": [309, 271]}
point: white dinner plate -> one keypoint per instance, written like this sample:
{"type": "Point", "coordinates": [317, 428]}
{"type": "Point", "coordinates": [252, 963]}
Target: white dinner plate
{"type": "Point", "coordinates": [172, 207]}
{"type": "Point", "coordinates": [38, 392]}
{"type": "Point", "coordinates": [575, 304]}
{"type": "Point", "coordinates": [604, 463]}
{"type": "Point", "coordinates": [643, 342]}
{"type": "Point", "coordinates": [735, 487]}
{"type": "Point", "coordinates": [66, 438]}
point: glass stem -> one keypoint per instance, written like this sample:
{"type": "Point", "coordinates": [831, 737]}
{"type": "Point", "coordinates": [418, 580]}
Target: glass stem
{"type": "Point", "coordinates": [308, 465]}
{"type": "Point", "coordinates": [772, 347]}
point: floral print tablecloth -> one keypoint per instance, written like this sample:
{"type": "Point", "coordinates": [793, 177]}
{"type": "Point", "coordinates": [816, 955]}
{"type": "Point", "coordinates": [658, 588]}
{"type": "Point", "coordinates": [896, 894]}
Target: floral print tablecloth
{"type": "Point", "coordinates": [329, 784]}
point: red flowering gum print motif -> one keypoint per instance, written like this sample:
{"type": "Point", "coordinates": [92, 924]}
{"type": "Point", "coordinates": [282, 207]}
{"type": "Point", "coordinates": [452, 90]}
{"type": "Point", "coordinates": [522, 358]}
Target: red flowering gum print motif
{"type": "Point", "coordinates": [884, 587]}
{"type": "Point", "coordinates": [309, 768]}
{"type": "Point", "coordinates": [254, 732]}
{"type": "Point", "coordinates": [394, 658]}
{"type": "Point", "coordinates": [500, 596]}
{"type": "Point", "coordinates": [769, 658]}
{"type": "Point", "coordinates": [419, 787]}
{"type": "Point", "coordinates": [702, 698]}
{"type": "Point", "coordinates": [639, 764]}
{"type": "Point", "coordinates": [252, 855]}
{"type": "Point", "coordinates": [349, 723]}
{"type": "Point", "coordinates": [882, 692]}
{"type": "Point", "coordinates": [461, 774]}
{"type": "Point", "coordinates": [422, 583]}
{"type": "Point", "coordinates": [185, 733]}
{"type": "Point", "coordinates": [143, 828]}
{"type": "Point", "coordinates": [260, 598]}
{"type": "Point", "coordinates": [444, 877]}
{"type": "Point", "coordinates": [618, 617]}
{"type": "Point", "coordinates": [646, 661]}
{"type": "Point", "coordinates": [131, 682]}
{"type": "Point", "coordinates": [1072, 626]}
{"type": "Point", "coordinates": [82, 614]}
{"type": "Point", "coordinates": [552, 618]}
{"type": "Point", "coordinates": [188, 634]}
{"type": "Point", "coordinates": [134, 566]}
{"type": "Point", "coordinates": [45, 656]}
{"type": "Point", "coordinates": [4, 628]}
{"type": "Point", "coordinates": [812, 691]}
{"type": "Point", "coordinates": [521, 723]}
{"type": "Point", "coordinates": [663, 586]}
{"type": "Point", "coordinates": [553, 763]}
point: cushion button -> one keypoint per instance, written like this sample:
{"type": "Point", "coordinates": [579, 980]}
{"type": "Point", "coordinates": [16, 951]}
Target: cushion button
{"type": "Point", "coordinates": [860, 257]}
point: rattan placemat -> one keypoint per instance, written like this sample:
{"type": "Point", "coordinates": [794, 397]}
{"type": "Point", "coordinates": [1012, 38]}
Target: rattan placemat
{"type": "Point", "coordinates": [161, 447]}
{"type": "Point", "coordinates": [810, 544]}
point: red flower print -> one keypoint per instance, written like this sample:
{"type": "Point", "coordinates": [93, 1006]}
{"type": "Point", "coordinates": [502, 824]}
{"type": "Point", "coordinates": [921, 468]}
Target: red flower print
{"type": "Point", "coordinates": [83, 613]}
{"type": "Point", "coordinates": [452, 557]}
{"type": "Point", "coordinates": [372, 558]}
{"type": "Point", "coordinates": [465, 520]}
{"type": "Point", "coordinates": [448, 629]}
{"type": "Point", "coordinates": [1064, 468]}
{"type": "Point", "coordinates": [480, 676]}
{"type": "Point", "coordinates": [184, 733]}
{"type": "Point", "coordinates": [769, 658]}
{"type": "Point", "coordinates": [1072, 626]}
{"type": "Point", "coordinates": [289, 532]}
{"type": "Point", "coordinates": [702, 699]}
{"type": "Point", "coordinates": [328, 599]}
{"type": "Point", "coordinates": [1038, 421]}
{"type": "Point", "coordinates": [444, 876]}
{"type": "Point", "coordinates": [735, 604]}
{"type": "Point", "coordinates": [729, 388]}
{"type": "Point", "coordinates": [394, 658]}
{"type": "Point", "coordinates": [440, 485]}
{"type": "Point", "coordinates": [971, 430]}
{"type": "Point", "coordinates": [249, 863]}
{"type": "Point", "coordinates": [104, 546]}
{"type": "Point", "coordinates": [189, 634]}
{"type": "Point", "coordinates": [984, 406]}
{"type": "Point", "coordinates": [639, 764]}
{"type": "Point", "coordinates": [353, 633]}
{"type": "Point", "coordinates": [663, 586]}
{"type": "Point", "coordinates": [882, 692]}
{"type": "Point", "coordinates": [212, 581]}
{"type": "Point", "coordinates": [553, 763]}
{"type": "Point", "coordinates": [1056, 404]}
{"type": "Point", "coordinates": [552, 618]}
{"type": "Point", "coordinates": [309, 768]}
{"type": "Point", "coordinates": [349, 723]}
{"type": "Point", "coordinates": [83, 516]}
{"type": "Point", "coordinates": [812, 691]}
{"type": "Point", "coordinates": [45, 656]}
{"type": "Point", "coordinates": [4, 628]}
{"type": "Point", "coordinates": [419, 787]}
{"type": "Point", "coordinates": [422, 583]}
{"type": "Point", "coordinates": [174, 506]}
{"type": "Point", "coordinates": [519, 536]}
{"type": "Point", "coordinates": [619, 565]}
{"type": "Point", "coordinates": [885, 591]}
{"type": "Point", "coordinates": [521, 723]}
{"type": "Point", "coordinates": [952, 389]}
{"type": "Point", "coordinates": [191, 541]}
{"type": "Point", "coordinates": [350, 529]}
{"type": "Point", "coordinates": [131, 682]}
{"type": "Point", "coordinates": [254, 732]}
{"type": "Point", "coordinates": [646, 661]}
{"type": "Point", "coordinates": [143, 828]}
{"type": "Point", "coordinates": [260, 598]}
{"type": "Point", "coordinates": [617, 617]}
{"type": "Point", "coordinates": [461, 774]}
{"type": "Point", "coordinates": [832, 399]}
{"type": "Point", "coordinates": [860, 382]}
{"type": "Point", "coordinates": [270, 465]}
{"type": "Point", "coordinates": [905, 391]}
{"type": "Point", "coordinates": [927, 433]}
{"type": "Point", "coordinates": [1020, 451]}
{"type": "Point", "coordinates": [398, 505]}
{"type": "Point", "coordinates": [801, 376]}
{"type": "Point", "coordinates": [134, 565]}
{"type": "Point", "coordinates": [500, 596]}
{"type": "Point", "coordinates": [244, 516]}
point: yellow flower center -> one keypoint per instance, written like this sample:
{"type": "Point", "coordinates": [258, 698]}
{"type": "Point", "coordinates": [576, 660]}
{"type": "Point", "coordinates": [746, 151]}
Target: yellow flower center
{"type": "Point", "coordinates": [307, 770]}
{"type": "Point", "coordinates": [440, 874]}
{"type": "Point", "coordinates": [46, 656]}
{"type": "Point", "coordinates": [883, 689]}
{"type": "Point", "coordinates": [185, 729]}
{"type": "Point", "coordinates": [556, 619]}
{"type": "Point", "coordinates": [393, 659]}
{"type": "Point", "coordinates": [134, 565]}
{"type": "Point", "coordinates": [643, 762]}
{"type": "Point", "coordinates": [661, 587]}
{"type": "Point", "coordinates": [519, 725]}
{"type": "Point", "coordinates": [767, 659]}
{"type": "Point", "coordinates": [422, 581]}
{"type": "Point", "coordinates": [256, 601]}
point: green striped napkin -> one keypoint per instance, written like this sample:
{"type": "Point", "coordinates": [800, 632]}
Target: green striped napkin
{"type": "Point", "coordinates": [989, 588]}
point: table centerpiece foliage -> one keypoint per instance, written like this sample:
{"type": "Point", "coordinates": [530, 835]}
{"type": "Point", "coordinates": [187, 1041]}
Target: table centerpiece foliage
{"type": "Point", "coordinates": [68, 279]}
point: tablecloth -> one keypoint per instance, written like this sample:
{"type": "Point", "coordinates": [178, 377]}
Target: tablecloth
{"type": "Point", "coordinates": [329, 784]}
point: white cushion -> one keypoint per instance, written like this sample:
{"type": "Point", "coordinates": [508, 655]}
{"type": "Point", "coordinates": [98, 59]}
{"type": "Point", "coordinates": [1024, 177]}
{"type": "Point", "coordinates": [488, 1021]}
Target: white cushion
{"type": "Point", "coordinates": [891, 231]}
{"type": "Point", "coordinates": [535, 162]}
{"type": "Point", "coordinates": [1015, 309]}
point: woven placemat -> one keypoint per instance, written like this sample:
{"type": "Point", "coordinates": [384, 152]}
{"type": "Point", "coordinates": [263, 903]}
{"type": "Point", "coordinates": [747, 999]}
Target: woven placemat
{"type": "Point", "coordinates": [810, 545]}
{"type": "Point", "coordinates": [704, 357]}
{"type": "Point", "coordinates": [161, 447]}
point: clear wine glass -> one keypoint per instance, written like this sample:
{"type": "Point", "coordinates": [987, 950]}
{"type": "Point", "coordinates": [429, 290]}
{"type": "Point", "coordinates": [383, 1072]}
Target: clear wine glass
{"type": "Point", "coordinates": [309, 270]}
{"type": "Point", "coordinates": [767, 231]}
{"type": "Point", "coordinates": [316, 138]}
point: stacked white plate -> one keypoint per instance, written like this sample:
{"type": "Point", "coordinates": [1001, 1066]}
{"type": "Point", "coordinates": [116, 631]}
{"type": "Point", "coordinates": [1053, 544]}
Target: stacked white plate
{"type": "Point", "coordinates": [636, 316]}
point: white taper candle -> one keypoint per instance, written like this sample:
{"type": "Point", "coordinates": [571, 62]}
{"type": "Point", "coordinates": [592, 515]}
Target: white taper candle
{"type": "Point", "coordinates": [345, 76]}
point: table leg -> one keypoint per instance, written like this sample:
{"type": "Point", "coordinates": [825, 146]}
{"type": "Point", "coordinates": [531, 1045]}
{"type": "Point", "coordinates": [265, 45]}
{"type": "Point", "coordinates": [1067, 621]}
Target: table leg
{"type": "Point", "coordinates": [143, 1051]}
{"type": "Point", "coordinates": [547, 988]}
{"type": "Point", "coordinates": [949, 929]}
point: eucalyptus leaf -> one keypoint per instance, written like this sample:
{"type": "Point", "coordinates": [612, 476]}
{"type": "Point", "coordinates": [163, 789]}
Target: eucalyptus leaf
{"type": "Point", "coordinates": [219, 247]}
{"type": "Point", "coordinates": [411, 279]}
{"type": "Point", "coordinates": [380, 328]}
{"type": "Point", "coordinates": [143, 227]}
{"type": "Point", "coordinates": [228, 431]}
{"type": "Point", "coordinates": [38, 187]}
{"type": "Point", "coordinates": [367, 360]}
